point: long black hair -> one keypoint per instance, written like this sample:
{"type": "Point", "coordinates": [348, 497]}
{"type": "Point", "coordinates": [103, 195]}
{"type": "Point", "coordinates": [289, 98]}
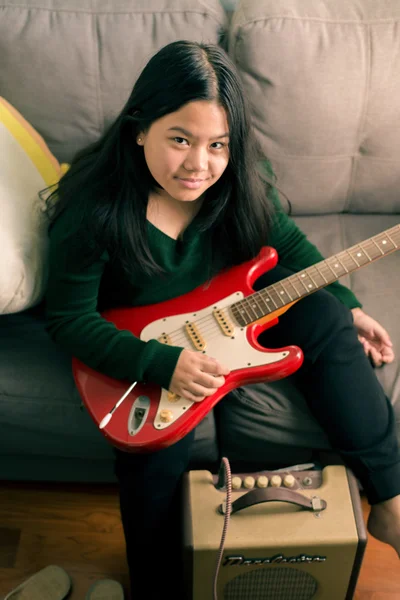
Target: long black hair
{"type": "Point", "coordinates": [110, 182]}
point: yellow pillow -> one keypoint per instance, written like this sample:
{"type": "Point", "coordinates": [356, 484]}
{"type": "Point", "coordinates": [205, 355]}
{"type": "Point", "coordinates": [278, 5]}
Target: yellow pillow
{"type": "Point", "coordinates": [26, 167]}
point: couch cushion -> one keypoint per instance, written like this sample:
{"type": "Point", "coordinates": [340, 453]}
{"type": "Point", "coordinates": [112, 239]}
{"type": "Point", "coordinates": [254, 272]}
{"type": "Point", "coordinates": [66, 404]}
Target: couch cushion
{"type": "Point", "coordinates": [71, 91]}
{"type": "Point", "coordinates": [40, 409]}
{"type": "Point", "coordinates": [324, 86]}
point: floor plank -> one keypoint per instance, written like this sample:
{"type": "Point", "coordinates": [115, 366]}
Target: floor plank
{"type": "Point", "coordinates": [78, 527]}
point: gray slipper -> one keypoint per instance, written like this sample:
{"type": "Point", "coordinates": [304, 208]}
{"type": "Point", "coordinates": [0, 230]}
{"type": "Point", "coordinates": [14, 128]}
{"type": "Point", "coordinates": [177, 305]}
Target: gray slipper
{"type": "Point", "coordinates": [51, 583]}
{"type": "Point", "coordinates": [105, 589]}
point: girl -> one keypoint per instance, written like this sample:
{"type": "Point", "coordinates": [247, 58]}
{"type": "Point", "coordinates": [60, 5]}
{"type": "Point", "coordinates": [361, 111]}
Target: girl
{"type": "Point", "coordinates": [174, 191]}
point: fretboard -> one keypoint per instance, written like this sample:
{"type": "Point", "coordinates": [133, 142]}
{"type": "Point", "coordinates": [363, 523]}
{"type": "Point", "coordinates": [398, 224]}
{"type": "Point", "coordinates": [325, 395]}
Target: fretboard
{"type": "Point", "coordinates": [301, 284]}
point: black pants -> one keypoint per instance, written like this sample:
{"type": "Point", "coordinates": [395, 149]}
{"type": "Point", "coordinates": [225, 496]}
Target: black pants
{"type": "Point", "coordinates": [343, 394]}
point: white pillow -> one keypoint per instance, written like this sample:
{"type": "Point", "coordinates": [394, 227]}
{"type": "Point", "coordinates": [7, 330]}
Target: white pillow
{"type": "Point", "coordinates": [26, 167]}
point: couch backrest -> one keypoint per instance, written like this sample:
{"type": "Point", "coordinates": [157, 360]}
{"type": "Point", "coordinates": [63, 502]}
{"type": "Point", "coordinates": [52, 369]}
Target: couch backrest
{"type": "Point", "coordinates": [324, 81]}
{"type": "Point", "coordinates": [69, 65]}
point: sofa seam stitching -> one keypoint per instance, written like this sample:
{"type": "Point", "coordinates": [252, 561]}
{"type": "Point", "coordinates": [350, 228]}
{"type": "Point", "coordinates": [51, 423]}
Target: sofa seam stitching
{"type": "Point", "coordinates": [363, 117]}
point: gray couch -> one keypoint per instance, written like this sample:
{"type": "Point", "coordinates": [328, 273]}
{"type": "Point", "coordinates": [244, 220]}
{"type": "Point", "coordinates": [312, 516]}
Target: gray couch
{"type": "Point", "coordinates": [323, 79]}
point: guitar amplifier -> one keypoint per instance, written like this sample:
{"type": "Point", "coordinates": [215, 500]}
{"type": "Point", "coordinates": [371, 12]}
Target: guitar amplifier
{"type": "Point", "coordinates": [296, 535]}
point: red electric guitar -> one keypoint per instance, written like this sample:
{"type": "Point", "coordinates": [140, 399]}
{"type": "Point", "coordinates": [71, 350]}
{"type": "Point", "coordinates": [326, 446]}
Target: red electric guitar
{"type": "Point", "coordinates": [223, 320]}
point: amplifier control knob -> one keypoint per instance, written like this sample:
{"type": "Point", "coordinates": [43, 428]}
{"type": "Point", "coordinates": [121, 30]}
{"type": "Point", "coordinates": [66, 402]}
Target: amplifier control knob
{"type": "Point", "coordinates": [289, 481]}
{"type": "Point", "coordinates": [236, 483]}
{"type": "Point", "coordinates": [249, 482]}
{"type": "Point", "coordinates": [262, 481]}
{"type": "Point", "coordinates": [276, 481]}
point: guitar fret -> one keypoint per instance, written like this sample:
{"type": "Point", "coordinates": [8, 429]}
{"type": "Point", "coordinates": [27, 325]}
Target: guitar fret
{"type": "Point", "coordinates": [319, 270]}
{"type": "Point", "coordinates": [236, 315]}
{"type": "Point", "coordinates": [394, 243]}
{"type": "Point", "coordinates": [385, 241]}
{"type": "Point", "coordinates": [346, 270]}
{"type": "Point", "coordinates": [303, 277]}
{"type": "Point", "coordinates": [374, 250]}
{"type": "Point", "coordinates": [338, 268]}
{"type": "Point", "coordinates": [300, 278]}
{"type": "Point", "coordinates": [273, 293]}
{"type": "Point", "coordinates": [278, 295]}
{"type": "Point", "coordinates": [298, 294]}
{"type": "Point", "coordinates": [262, 293]}
{"type": "Point", "coordinates": [283, 294]}
{"type": "Point", "coordinates": [255, 305]}
{"type": "Point", "coordinates": [311, 277]}
{"type": "Point", "coordinates": [333, 271]}
{"type": "Point", "coordinates": [243, 312]}
{"type": "Point", "coordinates": [361, 255]}
{"type": "Point", "coordinates": [329, 266]}
{"type": "Point", "coordinates": [365, 252]}
{"type": "Point", "coordinates": [352, 258]}
{"type": "Point", "coordinates": [286, 291]}
{"type": "Point", "coordinates": [317, 277]}
{"type": "Point", "coordinates": [251, 306]}
{"type": "Point", "coordinates": [325, 272]}
{"type": "Point", "coordinates": [272, 299]}
{"type": "Point", "coordinates": [379, 248]}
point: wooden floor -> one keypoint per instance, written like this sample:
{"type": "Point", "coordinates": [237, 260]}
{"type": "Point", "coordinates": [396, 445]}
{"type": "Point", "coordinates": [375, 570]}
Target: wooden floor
{"type": "Point", "coordinates": [78, 527]}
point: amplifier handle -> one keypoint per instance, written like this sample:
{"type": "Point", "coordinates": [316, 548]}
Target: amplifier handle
{"type": "Point", "coordinates": [259, 495]}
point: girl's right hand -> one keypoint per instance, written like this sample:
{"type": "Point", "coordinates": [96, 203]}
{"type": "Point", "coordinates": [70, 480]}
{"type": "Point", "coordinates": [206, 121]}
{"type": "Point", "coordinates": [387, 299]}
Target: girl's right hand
{"type": "Point", "coordinates": [197, 376]}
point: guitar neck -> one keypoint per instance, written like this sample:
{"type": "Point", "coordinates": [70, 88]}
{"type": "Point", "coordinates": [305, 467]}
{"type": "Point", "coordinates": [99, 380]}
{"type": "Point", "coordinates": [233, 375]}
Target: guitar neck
{"type": "Point", "coordinates": [291, 289]}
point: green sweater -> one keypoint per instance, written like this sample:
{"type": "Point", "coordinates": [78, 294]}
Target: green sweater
{"type": "Point", "coordinates": [76, 296]}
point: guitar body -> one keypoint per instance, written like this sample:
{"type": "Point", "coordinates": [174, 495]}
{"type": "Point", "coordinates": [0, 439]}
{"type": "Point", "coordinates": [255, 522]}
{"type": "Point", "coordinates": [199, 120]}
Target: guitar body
{"type": "Point", "coordinates": [152, 418]}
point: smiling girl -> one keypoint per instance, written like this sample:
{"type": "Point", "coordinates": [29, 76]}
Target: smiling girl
{"type": "Point", "coordinates": [174, 191]}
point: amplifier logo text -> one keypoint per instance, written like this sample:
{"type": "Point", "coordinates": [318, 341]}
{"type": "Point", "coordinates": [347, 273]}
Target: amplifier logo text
{"type": "Point", "coordinates": [241, 561]}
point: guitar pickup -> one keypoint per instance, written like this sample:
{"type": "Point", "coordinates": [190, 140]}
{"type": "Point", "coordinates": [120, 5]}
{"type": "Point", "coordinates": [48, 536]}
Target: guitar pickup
{"type": "Point", "coordinates": [225, 324]}
{"type": "Point", "coordinates": [194, 336]}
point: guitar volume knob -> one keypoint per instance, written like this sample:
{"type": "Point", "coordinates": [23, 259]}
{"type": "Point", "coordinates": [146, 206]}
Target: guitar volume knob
{"type": "Point", "coordinates": [166, 416]}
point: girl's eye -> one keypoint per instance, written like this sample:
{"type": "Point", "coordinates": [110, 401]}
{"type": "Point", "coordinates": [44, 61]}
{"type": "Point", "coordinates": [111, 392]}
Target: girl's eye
{"type": "Point", "coordinates": [217, 145]}
{"type": "Point", "coordinates": [181, 141]}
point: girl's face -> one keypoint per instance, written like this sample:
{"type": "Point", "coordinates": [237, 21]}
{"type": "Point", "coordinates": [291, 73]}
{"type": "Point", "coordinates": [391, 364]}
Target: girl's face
{"type": "Point", "coordinates": [187, 151]}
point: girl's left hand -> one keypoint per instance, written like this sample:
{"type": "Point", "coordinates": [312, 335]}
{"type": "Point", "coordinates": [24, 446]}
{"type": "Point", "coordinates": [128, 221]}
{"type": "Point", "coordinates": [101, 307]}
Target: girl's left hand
{"type": "Point", "coordinates": [374, 338]}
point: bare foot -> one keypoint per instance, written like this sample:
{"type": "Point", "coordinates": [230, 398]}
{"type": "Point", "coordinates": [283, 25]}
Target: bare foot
{"type": "Point", "coordinates": [384, 522]}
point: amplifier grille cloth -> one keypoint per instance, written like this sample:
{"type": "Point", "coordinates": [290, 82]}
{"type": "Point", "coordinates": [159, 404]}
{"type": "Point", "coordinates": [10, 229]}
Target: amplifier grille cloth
{"type": "Point", "coordinates": [271, 584]}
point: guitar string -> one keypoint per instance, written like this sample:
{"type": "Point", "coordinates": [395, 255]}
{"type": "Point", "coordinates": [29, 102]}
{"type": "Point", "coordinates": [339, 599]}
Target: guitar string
{"type": "Point", "coordinates": [251, 301]}
{"type": "Point", "coordinates": [186, 343]}
{"type": "Point", "coordinates": [248, 303]}
{"type": "Point", "coordinates": [208, 323]}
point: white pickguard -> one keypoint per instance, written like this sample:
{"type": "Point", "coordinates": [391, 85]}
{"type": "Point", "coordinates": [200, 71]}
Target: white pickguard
{"type": "Point", "coordinates": [235, 352]}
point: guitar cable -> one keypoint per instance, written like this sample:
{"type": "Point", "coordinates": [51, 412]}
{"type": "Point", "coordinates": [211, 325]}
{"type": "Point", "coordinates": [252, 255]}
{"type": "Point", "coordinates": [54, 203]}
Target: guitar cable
{"type": "Point", "coordinates": [224, 480]}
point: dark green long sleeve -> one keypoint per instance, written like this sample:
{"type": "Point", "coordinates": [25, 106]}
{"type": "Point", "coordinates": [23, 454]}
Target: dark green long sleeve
{"type": "Point", "coordinates": [75, 295]}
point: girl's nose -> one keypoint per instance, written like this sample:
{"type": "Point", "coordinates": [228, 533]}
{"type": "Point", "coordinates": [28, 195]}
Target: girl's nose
{"type": "Point", "coordinates": [196, 160]}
